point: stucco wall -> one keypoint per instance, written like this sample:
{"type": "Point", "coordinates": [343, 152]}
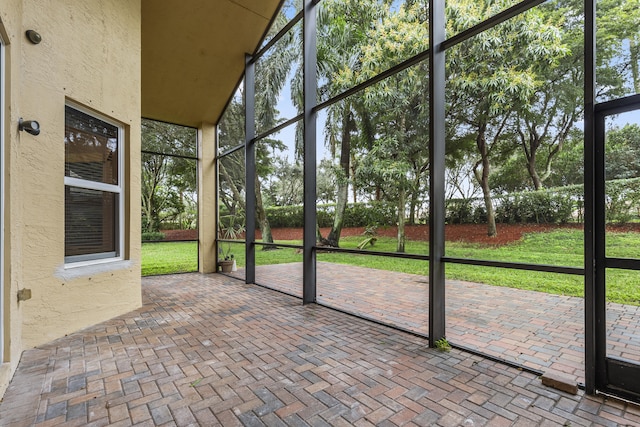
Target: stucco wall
{"type": "Point", "coordinates": [90, 54]}
{"type": "Point", "coordinates": [12, 314]}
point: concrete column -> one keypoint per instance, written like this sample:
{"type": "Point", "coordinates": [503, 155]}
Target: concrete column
{"type": "Point", "coordinates": [207, 198]}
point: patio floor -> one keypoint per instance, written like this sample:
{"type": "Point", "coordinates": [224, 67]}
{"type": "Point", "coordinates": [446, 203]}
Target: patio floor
{"type": "Point", "coordinates": [532, 329]}
{"type": "Point", "coordinates": [210, 350]}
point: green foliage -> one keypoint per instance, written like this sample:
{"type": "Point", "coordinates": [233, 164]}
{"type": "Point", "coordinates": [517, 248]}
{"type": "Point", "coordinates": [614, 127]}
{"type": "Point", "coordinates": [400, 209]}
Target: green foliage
{"type": "Point", "coordinates": [622, 152]}
{"type": "Point", "coordinates": [356, 215]}
{"type": "Point", "coordinates": [443, 345]}
{"type": "Point", "coordinates": [168, 183]}
{"type": "Point", "coordinates": [229, 229]}
{"type": "Point", "coordinates": [287, 185]}
{"type": "Point", "coordinates": [152, 236]}
{"type": "Point", "coordinates": [286, 216]}
{"type": "Point", "coordinates": [622, 202]}
{"type": "Point", "coordinates": [370, 237]}
{"type": "Point", "coordinates": [557, 205]}
{"type": "Point", "coordinates": [374, 213]}
{"type": "Point", "coordinates": [539, 207]}
{"type": "Point", "coordinates": [460, 211]}
{"type": "Point", "coordinates": [622, 199]}
{"type": "Point", "coordinates": [513, 89]}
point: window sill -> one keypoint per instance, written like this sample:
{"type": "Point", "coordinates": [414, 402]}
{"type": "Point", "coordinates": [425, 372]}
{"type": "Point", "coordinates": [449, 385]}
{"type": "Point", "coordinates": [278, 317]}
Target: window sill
{"type": "Point", "coordinates": [75, 271]}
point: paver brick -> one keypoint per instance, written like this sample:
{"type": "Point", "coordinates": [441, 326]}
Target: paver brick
{"type": "Point", "coordinates": [207, 350]}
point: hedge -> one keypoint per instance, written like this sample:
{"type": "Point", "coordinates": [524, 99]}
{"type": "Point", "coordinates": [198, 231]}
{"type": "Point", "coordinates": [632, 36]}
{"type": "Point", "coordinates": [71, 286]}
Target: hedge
{"type": "Point", "coordinates": [152, 236]}
{"type": "Point", "coordinates": [539, 207]}
{"type": "Point", "coordinates": [552, 205]}
{"type": "Point", "coordinates": [356, 215]}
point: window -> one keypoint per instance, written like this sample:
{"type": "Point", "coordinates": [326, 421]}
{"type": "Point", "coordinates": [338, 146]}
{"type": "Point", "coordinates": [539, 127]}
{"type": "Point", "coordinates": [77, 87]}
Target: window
{"type": "Point", "coordinates": [93, 187]}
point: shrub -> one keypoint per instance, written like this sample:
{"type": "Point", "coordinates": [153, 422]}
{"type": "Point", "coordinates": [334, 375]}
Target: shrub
{"type": "Point", "coordinates": [285, 216]}
{"type": "Point", "coordinates": [370, 214]}
{"type": "Point", "coordinates": [459, 211]}
{"type": "Point", "coordinates": [540, 207]}
{"type": "Point", "coordinates": [479, 215]}
{"type": "Point", "coordinates": [356, 215]}
{"type": "Point", "coordinates": [152, 236]}
{"type": "Point", "coordinates": [622, 201]}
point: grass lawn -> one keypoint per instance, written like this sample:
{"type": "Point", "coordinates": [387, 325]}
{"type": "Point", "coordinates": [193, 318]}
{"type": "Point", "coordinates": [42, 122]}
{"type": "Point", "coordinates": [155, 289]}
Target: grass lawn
{"type": "Point", "coordinates": [560, 247]}
{"type": "Point", "coordinates": [169, 257]}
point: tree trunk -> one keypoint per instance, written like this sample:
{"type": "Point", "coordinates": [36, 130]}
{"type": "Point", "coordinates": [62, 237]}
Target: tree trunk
{"type": "Point", "coordinates": [482, 176]}
{"type": "Point", "coordinates": [491, 216]}
{"type": "Point", "coordinates": [533, 173]}
{"type": "Point", "coordinates": [534, 142]}
{"type": "Point", "coordinates": [152, 176]}
{"type": "Point", "coordinates": [234, 189]}
{"type": "Point", "coordinates": [354, 190]}
{"type": "Point", "coordinates": [147, 208]}
{"type": "Point", "coordinates": [318, 233]}
{"type": "Point", "coordinates": [333, 239]}
{"type": "Point", "coordinates": [414, 200]}
{"type": "Point", "coordinates": [265, 227]}
{"type": "Point", "coordinates": [401, 219]}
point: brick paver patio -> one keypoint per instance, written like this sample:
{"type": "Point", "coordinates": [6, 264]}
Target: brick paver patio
{"type": "Point", "coordinates": [209, 350]}
{"type": "Point", "coordinates": [533, 329]}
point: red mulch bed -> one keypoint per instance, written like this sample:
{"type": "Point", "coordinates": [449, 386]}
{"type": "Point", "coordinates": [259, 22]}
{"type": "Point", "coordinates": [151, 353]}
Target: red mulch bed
{"type": "Point", "coordinates": [470, 233]}
{"type": "Point", "coordinates": [180, 234]}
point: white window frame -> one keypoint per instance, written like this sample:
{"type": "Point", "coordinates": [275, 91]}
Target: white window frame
{"type": "Point", "coordinates": [91, 259]}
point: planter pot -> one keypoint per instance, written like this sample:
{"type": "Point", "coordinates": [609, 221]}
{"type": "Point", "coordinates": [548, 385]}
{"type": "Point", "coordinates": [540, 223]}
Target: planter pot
{"type": "Point", "coordinates": [226, 266]}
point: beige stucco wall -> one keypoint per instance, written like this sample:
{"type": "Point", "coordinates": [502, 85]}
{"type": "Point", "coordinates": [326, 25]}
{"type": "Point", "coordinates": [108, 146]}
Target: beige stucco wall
{"type": "Point", "coordinates": [12, 313]}
{"type": "Point", "coordinates": [90, 54]}
{"type": "Point", "coordinates": [207, 182]}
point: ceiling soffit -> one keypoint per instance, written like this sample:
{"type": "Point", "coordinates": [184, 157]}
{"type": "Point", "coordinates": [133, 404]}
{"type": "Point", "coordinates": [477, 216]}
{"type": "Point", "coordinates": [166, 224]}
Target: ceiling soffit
{"type": "Point", "coordinates": [193, 55]}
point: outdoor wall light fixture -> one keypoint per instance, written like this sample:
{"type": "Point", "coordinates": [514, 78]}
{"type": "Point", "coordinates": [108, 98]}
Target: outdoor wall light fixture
{"type": "Point", "coordinates": [29, 126]}
{"type": "Point", "coordinates": [33, 36]}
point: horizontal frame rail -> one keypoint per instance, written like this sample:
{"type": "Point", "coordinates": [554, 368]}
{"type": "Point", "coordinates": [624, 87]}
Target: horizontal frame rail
{"type": "Point", "coordinates": [180, 156]}
{"type": "Point", "coordinates": [374, 253]}
{"type": "Point", "coordinates": [491, 22]}
{"type": "Point", "coordinates": [545, 268]}
{"type": "Point", "coordinates": [278, 245]}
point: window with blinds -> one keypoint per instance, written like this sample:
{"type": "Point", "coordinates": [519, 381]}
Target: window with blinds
{"type": "Point", "coordinates": [93, 187]}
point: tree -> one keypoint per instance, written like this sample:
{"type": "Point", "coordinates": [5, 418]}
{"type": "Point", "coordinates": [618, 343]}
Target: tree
{"type": "Point", "coordinates": [166, 180]}
{"type": "Point", "coordinates": [391, 127]}
{"type": "Point", "coordinates": [543, 122]}
{"type": "Point", "coordinates": [286, 186]}
{"type": "Point", "coordinates": [622, 152]}
{"type": "Point", "coordinates": [272, 71]}
{"type": "Point", "coordinates": [342, 34]}
{"type": "Point", "coordinates": [493, 75]}
{"type": "Point", "coordinates": [231, 168]}
{"type": "Point", "coordinates": [618, 47]}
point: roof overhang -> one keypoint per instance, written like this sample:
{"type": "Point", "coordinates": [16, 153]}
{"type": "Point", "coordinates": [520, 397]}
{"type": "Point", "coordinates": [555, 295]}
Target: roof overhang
{"type": "Point", "coordinates": [193, 55]}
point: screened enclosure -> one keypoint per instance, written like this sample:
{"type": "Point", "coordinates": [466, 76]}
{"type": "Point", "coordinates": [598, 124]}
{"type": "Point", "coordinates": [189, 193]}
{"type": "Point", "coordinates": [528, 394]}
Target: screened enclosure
{"type": "Point", "coordinates": [461, 170]}
{"type": "Point", "coordinates": [169, 198]}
